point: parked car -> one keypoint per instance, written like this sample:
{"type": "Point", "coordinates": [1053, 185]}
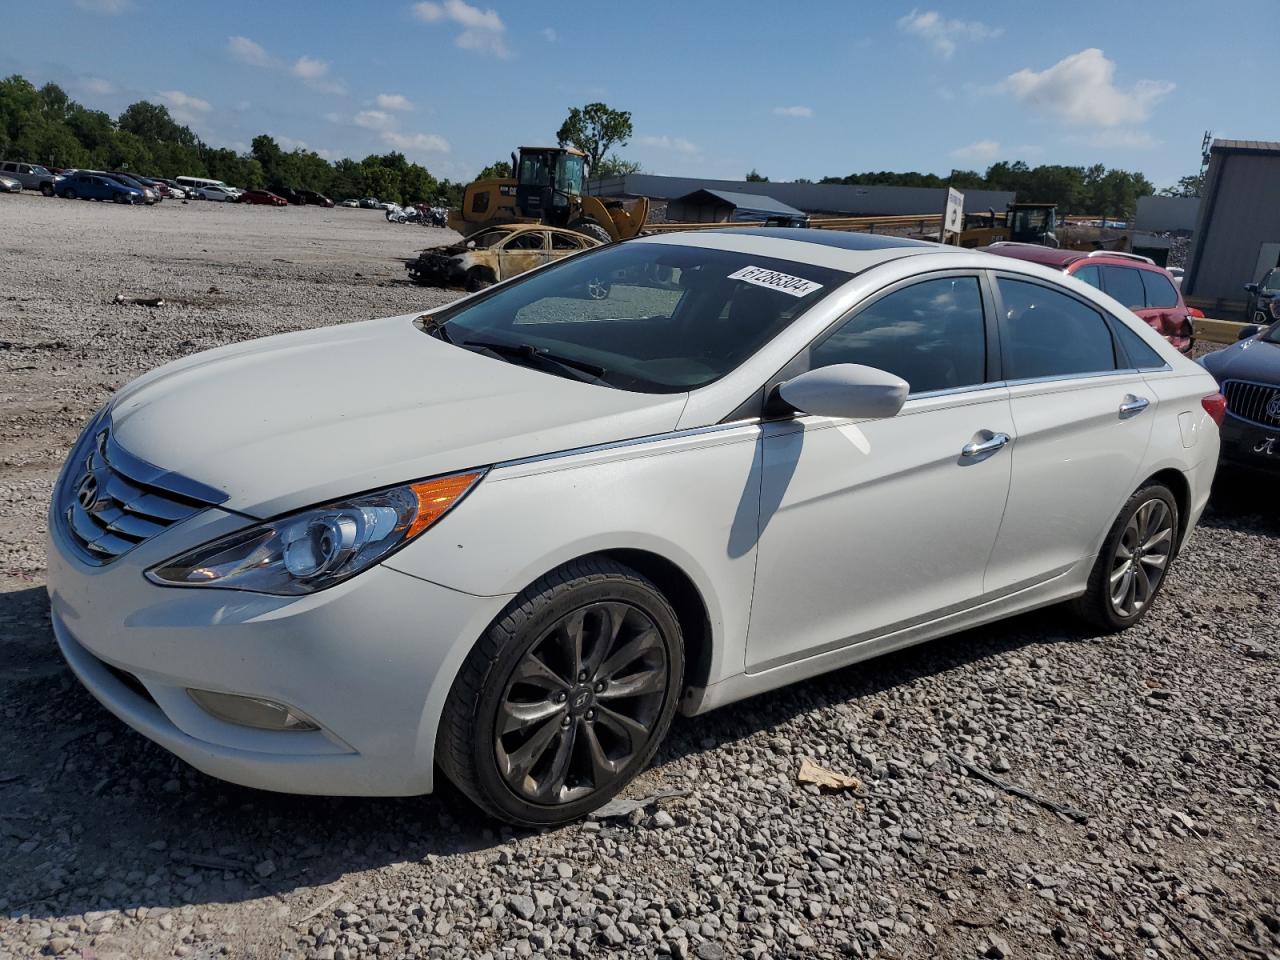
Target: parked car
{"type": "Point", "coordinates": [290, 194]}
{"type": "Point", "coordinates": [349, 203]}
{"type": "Point", "coordinates": [32, 176]}
{"type": "Point", "coordinates": [1248, 373]}
{"type": "Point", "coordinates": [498, 253]}
{"type": "Point", "coordinates": [213, 192]}
{"type": "Point", "coordinates": [369, 203]}
{"type": "Point", "coordinates": [1137, 282]}
{"type": "Point", "coordinates": [264, 197]}
{"type": "Point", "coordinates": [1175, 274]}
{"type": "Point", "coordinates": [150, 194]}
{"type": "Point", "coordinates": [1264, 298]}
{"type": "Point", "coordinates": [87, 185]}
{"type": "Point", "coordinates": [176, 190]}
{"type": "Point", "coordinates": [862, 441]}
{"type": "Point", "coordinates": [311, 198]}
{"type": "Point", "coordinates": [10, 185]}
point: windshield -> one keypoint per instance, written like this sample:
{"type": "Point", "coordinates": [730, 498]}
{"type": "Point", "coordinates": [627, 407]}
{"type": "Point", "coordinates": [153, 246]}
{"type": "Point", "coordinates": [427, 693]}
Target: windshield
{"type": "Point", "coordinates": [534, 171]}
{"type": "Point", "coordinates": [649, 317]}
{"type": "Point", "coordinates": [488, 238]}
{"type": "Point", "coordinates": [569, 174]}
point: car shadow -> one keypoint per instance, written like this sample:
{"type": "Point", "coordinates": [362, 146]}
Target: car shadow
{"type": "Point", "coordinates": [1243, 500]}
{"type": "Point", "coordinates": [129, 825]}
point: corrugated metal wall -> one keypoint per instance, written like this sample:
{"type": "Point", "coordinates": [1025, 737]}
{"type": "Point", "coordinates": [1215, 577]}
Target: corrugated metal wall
{"type": "Point", "coordinates": [809, 197]}
{"type": "Point", "coordinates": [1239, 213]}
{"type": "Point", "coordinates": [1159, 214]}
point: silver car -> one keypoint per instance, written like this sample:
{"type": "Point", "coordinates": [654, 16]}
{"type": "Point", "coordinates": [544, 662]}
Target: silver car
{"type": "Point", "coordinates": [32, 176]}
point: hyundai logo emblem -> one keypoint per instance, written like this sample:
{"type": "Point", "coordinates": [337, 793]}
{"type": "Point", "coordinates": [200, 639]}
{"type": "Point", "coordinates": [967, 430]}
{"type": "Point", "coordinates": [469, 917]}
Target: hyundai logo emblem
{"type": "Point", "coordinates": [1273, 407]}
{"type": "Point", "coordinates": [581, 699]}
{"type": "Point", "coordinates": [87, 493]}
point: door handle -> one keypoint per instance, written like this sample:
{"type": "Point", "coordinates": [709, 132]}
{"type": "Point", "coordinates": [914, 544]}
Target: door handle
{"type": "Point", "coordinates": [1132, 406]}
{"type": "Point", "coordinates": [978, 448]}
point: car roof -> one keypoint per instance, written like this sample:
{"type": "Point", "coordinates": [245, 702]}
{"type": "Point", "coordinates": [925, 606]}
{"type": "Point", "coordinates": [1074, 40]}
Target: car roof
{"type": "Point", "coordinates": [1061, 259]}
{"type": "Point", "coordinates": [838, 249]}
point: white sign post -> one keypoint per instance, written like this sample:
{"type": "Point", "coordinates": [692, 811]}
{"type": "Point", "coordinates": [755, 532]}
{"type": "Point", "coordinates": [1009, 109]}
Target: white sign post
{"type": "Point", "coordinates": [953, 216]}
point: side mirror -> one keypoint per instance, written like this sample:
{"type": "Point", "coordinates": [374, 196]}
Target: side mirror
{"type": "Point", "coordinates": [847, 390]}
{"type": "Point", "coordinates": [1251, 288]}
{"type": "Point", "coordinates": [1247, 331]}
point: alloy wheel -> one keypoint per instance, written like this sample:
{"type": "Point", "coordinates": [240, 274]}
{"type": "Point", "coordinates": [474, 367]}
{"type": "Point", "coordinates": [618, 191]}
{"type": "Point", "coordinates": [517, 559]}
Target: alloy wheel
{"type": "Point", "coordinates": [1141, 558]}
{"type": "Point", "coordinates": [581, 703]}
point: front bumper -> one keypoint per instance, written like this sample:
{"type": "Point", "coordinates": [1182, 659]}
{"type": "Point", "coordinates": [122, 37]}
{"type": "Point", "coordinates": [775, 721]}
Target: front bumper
{"type": "Point", "coordinates": [370, 661]}
{"type": "Point", "coordinates": [1250, 445]}
{"type": "Point", "coordinates": [434, 270]}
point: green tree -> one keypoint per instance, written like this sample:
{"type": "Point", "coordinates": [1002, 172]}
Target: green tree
{"type": "Point", "coordinates": [501, 169]}
{"type": "Point", "coordinates": [614, 166]}
{"type": "Point", "coordinates": [755, 176]}
{"type": "Point", "coordinates": [1188, 186]}
{"type": "Point", "coordinates": [151, 121]}
{"type": "Point", "coordinates": [595, 130]}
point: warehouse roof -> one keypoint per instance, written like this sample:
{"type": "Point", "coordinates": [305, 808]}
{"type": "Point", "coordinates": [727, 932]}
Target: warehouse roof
{"type": "Point", "coordinates": [1249, 146]}
{"type": "Point", "coordinates": [746, 201]}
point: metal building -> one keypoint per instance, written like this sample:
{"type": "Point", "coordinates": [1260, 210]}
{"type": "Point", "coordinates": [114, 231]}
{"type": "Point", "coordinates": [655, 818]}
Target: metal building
{"type": "Point", "coordinates": [1237, 235]}
{"type": "Point", "coordinates": [829, 198]}
{"type": "Point", "coordinates": [721, 206]}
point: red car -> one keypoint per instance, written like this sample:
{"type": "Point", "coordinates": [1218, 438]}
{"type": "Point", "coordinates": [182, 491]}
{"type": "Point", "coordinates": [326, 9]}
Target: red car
{"type": "Point", "coordinates": [1137, 282]}
{"type": "Point", "coordinates": [264, 196]}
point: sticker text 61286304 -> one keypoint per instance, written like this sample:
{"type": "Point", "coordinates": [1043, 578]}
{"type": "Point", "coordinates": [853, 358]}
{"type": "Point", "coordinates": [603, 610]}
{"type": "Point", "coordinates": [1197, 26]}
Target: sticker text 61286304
{"type": "Point", "coordinates": [774, 280]}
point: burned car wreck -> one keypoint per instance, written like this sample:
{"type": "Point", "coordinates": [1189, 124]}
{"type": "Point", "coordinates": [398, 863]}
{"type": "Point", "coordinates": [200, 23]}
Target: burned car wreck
{"type": "Point", "coordinates": [496, 253]}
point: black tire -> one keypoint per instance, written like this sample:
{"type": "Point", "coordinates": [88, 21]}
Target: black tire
{"type": "Point", "coordinates": [590, 228]}
{"type": "Point", "coordinates": [470, 748]}
{"type": "Point", "coordinates": [46, 189]}
{"type": "Point", "coordinates": [70, 194]}
{"type": "Point", "coordinates": [1098, 606]}
{"type": "Point", "coordinates": [478, 278]}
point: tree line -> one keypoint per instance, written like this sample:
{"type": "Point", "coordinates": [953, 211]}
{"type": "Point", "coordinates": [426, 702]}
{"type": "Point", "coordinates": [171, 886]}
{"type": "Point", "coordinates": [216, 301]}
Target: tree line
{"type": "Point", "coordinates": [46, 126]}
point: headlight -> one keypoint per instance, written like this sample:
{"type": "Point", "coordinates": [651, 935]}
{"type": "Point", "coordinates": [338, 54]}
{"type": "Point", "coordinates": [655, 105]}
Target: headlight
{"type": "Point", "coordinates": [1275, 308]}
{"type": "Point", "coordinates": [320, 546]}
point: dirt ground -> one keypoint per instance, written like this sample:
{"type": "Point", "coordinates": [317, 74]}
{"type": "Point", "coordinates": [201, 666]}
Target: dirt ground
{"type": "Point", "coordinates": [1166, 737]}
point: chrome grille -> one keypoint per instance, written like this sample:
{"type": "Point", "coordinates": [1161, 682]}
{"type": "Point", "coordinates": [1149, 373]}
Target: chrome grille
{"type": "Point", "coordinates": [1257, 403]}
{"type": "Point", "coordinates": [110, 501]}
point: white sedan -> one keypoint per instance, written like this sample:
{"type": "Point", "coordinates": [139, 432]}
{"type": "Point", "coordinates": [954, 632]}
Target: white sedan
{"type": "Point", "coordinates": [511, 537]}
{"type": "Point", "coordinates": [210, 192]}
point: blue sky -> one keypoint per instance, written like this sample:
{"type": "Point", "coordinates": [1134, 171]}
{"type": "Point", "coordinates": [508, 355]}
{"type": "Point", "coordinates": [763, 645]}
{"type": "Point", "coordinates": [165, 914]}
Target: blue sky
{"type": "Point", "coordinates": [715, 89]}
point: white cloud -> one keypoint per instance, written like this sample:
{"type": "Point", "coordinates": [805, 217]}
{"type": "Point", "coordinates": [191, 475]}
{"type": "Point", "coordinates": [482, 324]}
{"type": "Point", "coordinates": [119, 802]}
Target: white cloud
{"type": "Point", "coordinates": [97, 85]}
{"type": "Point", "coordinates": [315, 74]}
{"type": "Point", "coordinates": [184, 107]}
{"type": "Point", "coordinates": [549, 34]}
{"type": "Point", "coordinates": [796, 111]}
{"type": "Point", "coordinates": [373, 120]}
{"type": "Point", "coordinates": [109, 7]}
{"type": "Point", "coordinates": [482, 30]}
{"type": "Point", "coordinates": [393, 101]}
{"type": "Point", "coordinates": [1081, 89]}
{"type": "Point", "coordinates": [246, 51]}
{"type": "Point", "coordinates": [945, 35]}
{"type": "Point", "coordinates": [677, 144]}
{"type": "Point", "coordinates": [978, 150]}
{"type": "Point", "coordinates": [184, 101]}
{"type": "Point", "coordinates": [416, 142]}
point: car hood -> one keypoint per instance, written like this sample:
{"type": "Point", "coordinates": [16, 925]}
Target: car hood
{"type": "Point", "coordinates": [1247, 360]}
{"type": "Point", "coordinates": [303, 418]}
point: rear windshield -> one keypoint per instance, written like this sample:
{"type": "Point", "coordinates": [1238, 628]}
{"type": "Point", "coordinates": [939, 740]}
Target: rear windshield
{"type": "Point", "coordinates": [655, 318]}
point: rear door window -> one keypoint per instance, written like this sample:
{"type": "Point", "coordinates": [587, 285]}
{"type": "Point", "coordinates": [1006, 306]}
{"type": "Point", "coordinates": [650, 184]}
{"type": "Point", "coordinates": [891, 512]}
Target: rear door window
{"type": "Point", "coordinates": [1160, 292]}
{"type": "Point", "coordinates": [1141, 355]}
{"type": "Point", "coordinates": [1089, 275]}
{"type": "Point", "coordinates": [1125, 285]}
{"type": "Point", "coordinates": [1049, 334]}
{"type": "Point", "coordinates": [931, 334]}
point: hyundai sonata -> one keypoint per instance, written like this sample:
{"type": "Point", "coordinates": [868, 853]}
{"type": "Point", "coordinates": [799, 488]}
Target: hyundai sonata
{"type": "Point", "coordinates": [509, 538]}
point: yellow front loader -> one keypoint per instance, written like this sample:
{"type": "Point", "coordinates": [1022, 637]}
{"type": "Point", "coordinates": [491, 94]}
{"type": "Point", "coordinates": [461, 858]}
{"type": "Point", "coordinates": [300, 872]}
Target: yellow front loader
{"type": "Point", "coordinates": [547, 188]}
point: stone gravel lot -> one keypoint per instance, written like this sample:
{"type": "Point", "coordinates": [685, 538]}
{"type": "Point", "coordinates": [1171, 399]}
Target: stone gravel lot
{"type": "Point", "coordinates": [1166, 739]}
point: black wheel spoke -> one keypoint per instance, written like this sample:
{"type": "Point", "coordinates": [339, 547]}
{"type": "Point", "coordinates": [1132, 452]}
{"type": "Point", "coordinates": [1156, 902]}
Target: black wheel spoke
{"type": "Point", "coordinates": [633, 731]}
{"type": "Point", "coordinates": [536, 673]}
{"type": "Point", "coordinates": [632, 650]}
{"type": "Point", "coordinates": [553, 781]}
{"type": "Point", "coordinates": [526, 756]}
{"type": "Point", "coordinates": [602, 768]}
{"type": "Point", "coordinates": [518, 716]}
{"type": "Point", "coordinates": [636, 684]}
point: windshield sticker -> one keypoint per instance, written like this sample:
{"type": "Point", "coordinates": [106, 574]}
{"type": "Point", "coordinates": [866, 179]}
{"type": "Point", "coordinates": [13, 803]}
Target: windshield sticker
{"type": "Point", "coordinates": [773, 280]}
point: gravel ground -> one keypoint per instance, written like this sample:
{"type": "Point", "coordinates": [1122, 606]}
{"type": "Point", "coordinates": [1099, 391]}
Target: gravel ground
{"type": "Point", "coordinates": [1162, 742]}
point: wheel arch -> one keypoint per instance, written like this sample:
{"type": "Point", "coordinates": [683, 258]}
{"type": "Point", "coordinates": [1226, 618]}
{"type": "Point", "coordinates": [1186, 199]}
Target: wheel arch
{"type": "Point", "coordinates": [1180, 487]}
